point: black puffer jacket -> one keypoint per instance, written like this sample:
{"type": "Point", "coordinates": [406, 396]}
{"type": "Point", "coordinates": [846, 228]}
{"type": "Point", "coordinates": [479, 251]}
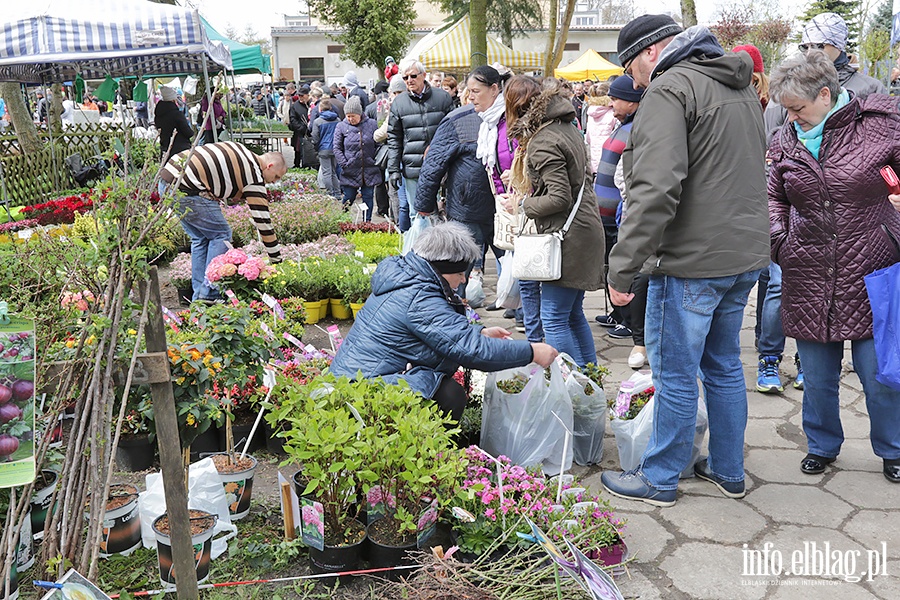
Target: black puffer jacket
{"type": "Point", "coordinates": [413, 123]}
{"type": "Point", "coordinates": [169, 120]}
{"type": "Point", "coordinates": [826, 218]}
{"type": "Point", "coordinates": [470, 194]}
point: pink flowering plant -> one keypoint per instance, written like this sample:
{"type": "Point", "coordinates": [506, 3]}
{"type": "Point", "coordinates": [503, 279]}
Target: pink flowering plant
{"type": "Point", "coordinates": [238, 271]}
{"type": "Point", "coordinates": [180, 271]}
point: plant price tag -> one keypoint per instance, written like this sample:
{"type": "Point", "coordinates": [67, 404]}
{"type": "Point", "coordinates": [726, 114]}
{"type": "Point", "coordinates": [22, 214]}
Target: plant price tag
{"type": "Point", "coordinates": [17, 434]}
{"type": "Point", "coordinates": [312, 523]}
{"type": "Point", "coordinates": [273, 305]}
{"type": "Point", "coordinates": [292, 339]}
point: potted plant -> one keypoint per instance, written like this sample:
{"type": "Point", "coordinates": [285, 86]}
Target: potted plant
{"type": "Point", "coordinates": [239, 272]}
{"type": "Point", "coordinates": [293, 279]}
{"type": "Point", "coordinates": [325, 437]}
{"type": "Point", "coordinates": [180, 276]}
{"type": "Point", "coordinates": [121, 521]}
{"type": "Point", "coordinates": [355, 287]}
{"type": "Point", "coordinates": [411, 465]}
{"type": "Point", "coordinates": [137, 442]}
{"type": "Point", "coordinates": [202, 529]}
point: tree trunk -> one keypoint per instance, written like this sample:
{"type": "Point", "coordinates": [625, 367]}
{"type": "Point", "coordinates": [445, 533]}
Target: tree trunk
{"type": "Point", "coordinates": [29, 141]}
{"type": "Point", "coordinates": [478, 32]}
{"type": "Point", "coordinates": [688, 13]}
{"type": "Point", "coordinates": [55, 109]}
{"type": "Point", "coordinates": [563, 37]}
{"type": "Point", "coordinates": [551, 38]}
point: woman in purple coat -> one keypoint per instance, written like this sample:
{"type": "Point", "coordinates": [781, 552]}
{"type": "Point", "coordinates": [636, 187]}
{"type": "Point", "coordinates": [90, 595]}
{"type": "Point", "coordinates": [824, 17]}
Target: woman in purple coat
{"type": "Point", "coordinates": [354, 149]}
{"type": "Point", "coordinates": [829, 209]}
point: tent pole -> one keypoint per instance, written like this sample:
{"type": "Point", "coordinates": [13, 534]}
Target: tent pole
{"type": "Point", "coordinates": [209, 100]}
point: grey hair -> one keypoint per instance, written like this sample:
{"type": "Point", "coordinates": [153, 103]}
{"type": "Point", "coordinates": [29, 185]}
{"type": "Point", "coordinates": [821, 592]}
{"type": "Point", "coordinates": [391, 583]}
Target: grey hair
{"type": "Point", "coordinates": [408, 63]}
{"type": "Point", "coordinates": [447, 241]}
{"type": "Point", "coordinates": [804, 77]}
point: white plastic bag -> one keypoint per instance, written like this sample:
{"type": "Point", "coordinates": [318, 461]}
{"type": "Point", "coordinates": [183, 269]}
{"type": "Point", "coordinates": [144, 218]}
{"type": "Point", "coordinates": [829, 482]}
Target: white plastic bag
{"type": "Point", "coordinates": [475, 290]}
{"type": "Point", "coordinates": [507, 285]}
{"type": "Point", "coordinates": [522, 426]}
{"type": "Point", "coordinates": [419, 225]}
{"type": "Point", "coordinates": [633, 436]}
{"type": "Point", "coordinates": [589, 413]}
{"type": "Point", "coordinates": [205, 492]}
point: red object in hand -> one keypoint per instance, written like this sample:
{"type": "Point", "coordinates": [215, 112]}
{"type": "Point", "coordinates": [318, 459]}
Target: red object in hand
{"type": "Point", "coordinates": [891, 179]}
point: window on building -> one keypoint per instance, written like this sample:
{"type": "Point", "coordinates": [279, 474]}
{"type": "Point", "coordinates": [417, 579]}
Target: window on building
{"type": "Point", "coordinates": [584, 21]}
{"type": "Point", "coordinates": [311, 69]}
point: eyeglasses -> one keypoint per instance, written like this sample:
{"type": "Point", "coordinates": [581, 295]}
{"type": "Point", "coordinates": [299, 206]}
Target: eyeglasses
{"type": "Point", "coordinates": [808, 47]}
{"type": "Point", "coordinates": [413, 76]}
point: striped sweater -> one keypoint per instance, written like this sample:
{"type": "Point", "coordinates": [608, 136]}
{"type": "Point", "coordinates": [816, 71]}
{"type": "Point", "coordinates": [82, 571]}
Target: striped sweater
{"type": "Point", "coordinates": [608, 196]}
{"type": "Point", "coordinates": [226, 171]}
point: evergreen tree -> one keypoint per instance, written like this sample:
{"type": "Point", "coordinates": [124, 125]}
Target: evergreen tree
{"type": "Point", "coordinates": [850, 10]}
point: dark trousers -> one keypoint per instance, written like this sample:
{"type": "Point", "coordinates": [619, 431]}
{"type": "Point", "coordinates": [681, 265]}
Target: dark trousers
{"type": "Point", "coordinates": [611, 233]}
{"type": "Point", "coordinates": [638, 308]}
{"type": "Point", "coordinates": [298, 150]}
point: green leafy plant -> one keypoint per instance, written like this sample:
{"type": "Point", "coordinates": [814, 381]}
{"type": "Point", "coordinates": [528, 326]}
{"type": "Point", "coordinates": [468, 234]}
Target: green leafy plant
{"type": "Point", "coordinates": [375, 246]}
{"type": "Point", "coordinates": [355, 285]}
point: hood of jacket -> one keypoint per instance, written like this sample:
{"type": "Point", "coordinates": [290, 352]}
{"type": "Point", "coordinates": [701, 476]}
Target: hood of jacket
{"type": "Point", "coordinates": [549, 105]}
{"type": "Point", "coordinates": [598, 112]}
{"type": "Point", "coordinates": [328, 115]}
{"type": "Point", "coordinates": [699, 44]}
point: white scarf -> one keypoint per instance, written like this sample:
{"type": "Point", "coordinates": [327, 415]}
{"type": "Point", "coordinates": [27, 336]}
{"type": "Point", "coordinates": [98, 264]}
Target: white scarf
{"type": "Point", "coordinates": [487, 133]}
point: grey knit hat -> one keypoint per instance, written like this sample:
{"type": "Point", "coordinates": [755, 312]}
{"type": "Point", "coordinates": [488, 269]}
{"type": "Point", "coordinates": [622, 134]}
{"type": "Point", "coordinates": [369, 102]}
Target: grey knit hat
{"type": "Point", "coordinates": [397, 84]}
{"type": "Point", "coordinates": [643, 32]}
{"type": "Point", "coordinates": [353, 106]}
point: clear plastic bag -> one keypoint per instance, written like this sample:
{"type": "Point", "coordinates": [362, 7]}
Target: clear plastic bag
{"type": "Point", "coordinates": [205, 492]}
{"type": "Point", "coordinates": [507, 285]}
{"type": "Point", "coordinates": [475, 290]}
{"type": "Point", "coordinates": [419, 224]}
{"type": "Point", "coordinates": [521, 426]}
{"type": "Point", "coordinates": [633, 436]}
{"type": "Point", "coordinates": [589, 415]}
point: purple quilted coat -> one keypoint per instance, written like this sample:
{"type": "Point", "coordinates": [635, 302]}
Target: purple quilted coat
{"type": "Point", "coordinates": [826, 218]}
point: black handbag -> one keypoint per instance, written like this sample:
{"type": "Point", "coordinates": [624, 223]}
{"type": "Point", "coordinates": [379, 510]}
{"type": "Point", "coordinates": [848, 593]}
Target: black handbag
{"type": "Point", "coordinates": [309, 155]}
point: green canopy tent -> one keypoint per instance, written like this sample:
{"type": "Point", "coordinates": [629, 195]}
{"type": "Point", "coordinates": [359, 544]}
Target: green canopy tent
{"type": "Point", "coordinates": [244, 59]}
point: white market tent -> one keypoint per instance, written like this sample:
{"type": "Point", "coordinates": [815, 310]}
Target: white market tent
{"type": "Point", "coordinates": [450, 50]}
{"type": "Point", "coordinates": [54, 40]}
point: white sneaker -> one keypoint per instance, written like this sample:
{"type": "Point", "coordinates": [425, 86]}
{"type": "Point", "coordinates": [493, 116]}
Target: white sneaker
{"type": "Point", "coordinates": [638, 357]}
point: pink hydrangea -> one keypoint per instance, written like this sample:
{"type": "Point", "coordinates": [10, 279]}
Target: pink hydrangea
{"type": "Point", "coordinates": [249, 270]}
{"type": "Point", "coordinates": [236, 256]}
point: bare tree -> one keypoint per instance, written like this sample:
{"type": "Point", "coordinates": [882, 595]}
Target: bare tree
{"type": "Point", "coordinates": [29, 141]}
{"type": "Point", "coordinates": [557, 43]}
{"type": "Point", "coordinates": [478, 32]}
{"type": "Point", "coordinates": [613, 12]}
{"type": "Point", "coordinates": [688, 13]}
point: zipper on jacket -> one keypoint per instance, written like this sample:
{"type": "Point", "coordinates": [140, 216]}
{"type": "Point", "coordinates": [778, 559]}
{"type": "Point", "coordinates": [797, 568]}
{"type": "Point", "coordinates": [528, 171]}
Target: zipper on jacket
{"type": "Point", "coordinates": [362, 160]}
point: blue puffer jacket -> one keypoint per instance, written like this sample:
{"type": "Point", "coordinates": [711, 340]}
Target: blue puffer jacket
{"type": "Point", "coordinates": [409, 320]}
{"type": "Point", "coordinates": [323, 130]}
{"type": "Point", "coordinates": [354, 149]}
{"type": "Point", "coordinates": [470, 194]}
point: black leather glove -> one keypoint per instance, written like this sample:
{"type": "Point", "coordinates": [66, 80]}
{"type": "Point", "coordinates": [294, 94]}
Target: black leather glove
{"type": "Point", "coordinates": [395, 180]}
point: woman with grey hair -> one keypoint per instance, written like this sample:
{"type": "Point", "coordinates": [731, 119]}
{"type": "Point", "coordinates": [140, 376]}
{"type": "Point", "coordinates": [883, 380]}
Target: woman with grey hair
{"type": "Point", "coordinates": [414, 327]}
{"type": "Point", "coordinates": [831, 225]}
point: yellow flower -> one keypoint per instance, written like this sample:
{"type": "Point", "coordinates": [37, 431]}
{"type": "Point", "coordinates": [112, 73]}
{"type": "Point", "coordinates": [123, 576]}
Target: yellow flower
{"type": "Point", "coordinates": [90, 339]}
{"type": "Point", "coordinates": [190, 419]}
{"type": "Point", "coordinates": [70, 344]}
{"type": "Point", "coordinates": [195, 354]}
{"type": "Point", "coordinates": [132, 332]}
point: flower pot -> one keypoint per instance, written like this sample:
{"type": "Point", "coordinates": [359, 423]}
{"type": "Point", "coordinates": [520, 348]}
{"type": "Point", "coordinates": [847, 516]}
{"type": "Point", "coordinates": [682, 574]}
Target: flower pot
{"type": "Point", "coordinates": [13, 585]}
{"type": "Point", "coordinates": [274, 444]}
{"type": "Point", "coordinates": [25, 547]}
{"type": "Point", "coordinates": [338, 559]}
{"type": "Point", "coordinates": [121, 521]}
{"type": "Point", "coordinates": [135, 452]}
{"type": "Point", "coordinates": [202, 529]}
{"type": "Point", "coordinates": [312, 311]}
{"type": "Point", "coordinates": [237, 480]}
{"type": "Point", "coordinates": [356, 307]}
{"type": "Point", "coordinates": [338, 310]}
{"type": "Point", "coordinates": [385, 551]}
{"type": "Point", "coordinates": [323, 309]}
{"type": "Point", "coordinates": [205, 444]}
{"type": "Point", "coordinates": [240, 433]}
{"type": "Point", "coordinates": [185, 294]}
{"type": "Point", "coordinates": [40, 502]}
{"type": "Point", "coordinates": [611, 555]}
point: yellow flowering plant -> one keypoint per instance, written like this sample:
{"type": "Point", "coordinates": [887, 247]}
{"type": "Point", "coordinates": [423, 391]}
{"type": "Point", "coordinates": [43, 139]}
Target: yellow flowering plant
{"type": "Point", "coordinates": [194, 368]}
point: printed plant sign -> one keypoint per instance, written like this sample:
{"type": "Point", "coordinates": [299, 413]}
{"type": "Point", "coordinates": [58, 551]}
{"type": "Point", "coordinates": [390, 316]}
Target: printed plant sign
{"type": "Point", "coordinates": [312, 523]}
{"type": "Point", "coordinates": [427, 524]}
{"type": "Point", "coordinates": [16, 402]}
{"type": "Point", "coordinates": [378, 504]}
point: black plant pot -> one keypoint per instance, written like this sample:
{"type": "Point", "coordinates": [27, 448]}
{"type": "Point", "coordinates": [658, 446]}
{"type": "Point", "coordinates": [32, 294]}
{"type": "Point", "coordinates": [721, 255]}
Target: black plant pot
{"type": "Point", "coordinates": [384, 554]}
{"type": "Point", "coordinates": [240, 434]}
{"type": "Point", "coordinates": [337, 559]}
{"type": "Point", "coordinates": [185, 294]}
{"type": "Point", "coordinates": [274, 445]}
{"type": "Point", "coordinates": [135, 452]}
{"type": "Point", "coordinates": [204, 444]}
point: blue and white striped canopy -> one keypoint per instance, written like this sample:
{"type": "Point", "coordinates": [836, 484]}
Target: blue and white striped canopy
{"type": "Point", "coordinates": [43, 41]}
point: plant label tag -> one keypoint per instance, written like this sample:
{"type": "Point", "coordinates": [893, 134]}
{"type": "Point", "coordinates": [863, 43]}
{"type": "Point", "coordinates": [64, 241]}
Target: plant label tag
{"type": "Point", "coordinates": [359, 254]}
{"type": "Point", "coordinates": [427, 523]}
{"type": "Point", "coordinates": [232, 297]}
{"type": "Point", "coordinates": [170, 316]}
{"type": "Point", "coordinates": [336, 338]}
{"type": "Point", "coordinates": [312, 523]}
{"type": "Point", "coordinates": [309, 349]}
{"type": "Point", "coordinates": [377, 503]}
{"type": "Point", "coordinates": [355, 414]}
{"type": "Point", "coordinates": [19, 439]}
{"type": "Point", "coordinates": [274, 305]}
{"type": "Point", "coordinates": [269, 377]}
{"type": "Point", "coordinates": [267, 331]}
{"type": "Point", "coordinates": [292, 339]}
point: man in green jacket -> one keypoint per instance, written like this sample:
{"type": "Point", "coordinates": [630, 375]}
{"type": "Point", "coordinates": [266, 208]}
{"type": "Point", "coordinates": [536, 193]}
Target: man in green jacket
{"type": "Point", "coordinates": [698, 224]}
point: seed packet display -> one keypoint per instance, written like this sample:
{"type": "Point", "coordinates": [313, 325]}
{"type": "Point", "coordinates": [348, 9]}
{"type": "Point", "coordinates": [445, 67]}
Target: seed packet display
{"type": "Point", "coordinates": [16, 402]}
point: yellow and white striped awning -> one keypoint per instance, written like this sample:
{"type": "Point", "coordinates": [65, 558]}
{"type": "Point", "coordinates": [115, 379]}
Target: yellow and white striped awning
{"type": "Point", "coordinates": [450, 50]}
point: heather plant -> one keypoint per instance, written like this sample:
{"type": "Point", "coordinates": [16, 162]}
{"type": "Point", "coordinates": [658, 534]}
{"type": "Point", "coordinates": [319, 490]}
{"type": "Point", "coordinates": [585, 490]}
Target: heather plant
{"type": "Point", "coordinates": [296, 221]}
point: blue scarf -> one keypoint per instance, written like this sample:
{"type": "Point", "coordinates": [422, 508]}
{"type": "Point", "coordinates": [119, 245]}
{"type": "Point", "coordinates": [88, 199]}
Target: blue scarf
{"type": "Point", "coordinates": [812, 139]}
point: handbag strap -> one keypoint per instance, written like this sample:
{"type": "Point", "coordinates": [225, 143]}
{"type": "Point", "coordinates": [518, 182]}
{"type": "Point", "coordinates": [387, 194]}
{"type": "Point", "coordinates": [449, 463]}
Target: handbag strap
{"type": "Point", "coordinates": [562, 232]}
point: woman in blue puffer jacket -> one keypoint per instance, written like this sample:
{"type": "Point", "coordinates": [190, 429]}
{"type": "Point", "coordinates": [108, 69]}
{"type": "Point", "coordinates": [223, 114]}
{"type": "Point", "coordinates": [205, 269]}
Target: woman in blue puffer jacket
{"type": "Point", "coordinates": [414, 327]}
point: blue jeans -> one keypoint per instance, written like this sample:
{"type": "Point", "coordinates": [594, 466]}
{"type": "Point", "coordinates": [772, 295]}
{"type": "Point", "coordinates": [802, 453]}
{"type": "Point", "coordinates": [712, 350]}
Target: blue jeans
{"type": "Point", "coordinates": [210, 235]}
{"type": "Point", "coordinates": [821, 406]}
{"type": "Point", "coordinates": [407, 197]}
{"type": "Point", "coordinates": [530, 293]}
{"type": "Point", "coordinates": [565, 326]}
{"type": "Point", "coordinates": [691, 326]}
{"type": "Point", "coordinates": [368, 193]}
{"type": "Point", "coordinates": [769, 333]}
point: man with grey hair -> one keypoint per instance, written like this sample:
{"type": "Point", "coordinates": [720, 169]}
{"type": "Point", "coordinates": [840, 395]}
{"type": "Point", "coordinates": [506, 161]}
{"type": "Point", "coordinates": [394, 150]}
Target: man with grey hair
{"type": "Point", "coordinates": [698, 223]}
{"type": "Point", "coordinates": [827, 32]}
{"type": "Point", "coordinates": [413, 317]}
{"type": "Point", "coordinates": [414, 119]}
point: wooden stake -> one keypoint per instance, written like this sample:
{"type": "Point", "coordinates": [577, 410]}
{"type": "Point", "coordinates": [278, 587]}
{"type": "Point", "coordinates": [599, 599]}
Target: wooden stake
{"type": "Point", "coordinates": [289, 531]}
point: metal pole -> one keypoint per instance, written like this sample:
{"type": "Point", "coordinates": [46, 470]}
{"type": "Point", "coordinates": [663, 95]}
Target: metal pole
{"type": "Point", "coordinates": [210, 112]}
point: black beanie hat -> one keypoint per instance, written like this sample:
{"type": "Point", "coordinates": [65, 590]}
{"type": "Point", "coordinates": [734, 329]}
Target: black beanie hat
{"type": "Point", "coordinates": [623, 89]}
{"type": "Point", "coordinates": [643, 32]}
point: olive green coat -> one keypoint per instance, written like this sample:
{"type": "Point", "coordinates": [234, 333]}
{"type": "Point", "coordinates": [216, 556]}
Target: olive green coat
{"type": "Point", "coordinates": [557, 164]}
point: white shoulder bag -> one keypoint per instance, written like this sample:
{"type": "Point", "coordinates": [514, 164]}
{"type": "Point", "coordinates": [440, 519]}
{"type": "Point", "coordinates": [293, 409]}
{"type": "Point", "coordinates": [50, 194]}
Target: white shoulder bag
{"type": "Point", "coordinates": [538, 257]}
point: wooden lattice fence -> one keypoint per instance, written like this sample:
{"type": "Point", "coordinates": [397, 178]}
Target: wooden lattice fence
{"type": "Point", "coordinates": [43, 175]}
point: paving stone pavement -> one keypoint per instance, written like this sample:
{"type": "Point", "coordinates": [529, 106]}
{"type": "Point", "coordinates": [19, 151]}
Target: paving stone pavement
{"type": "Point", "coordinates": [704, 546]}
